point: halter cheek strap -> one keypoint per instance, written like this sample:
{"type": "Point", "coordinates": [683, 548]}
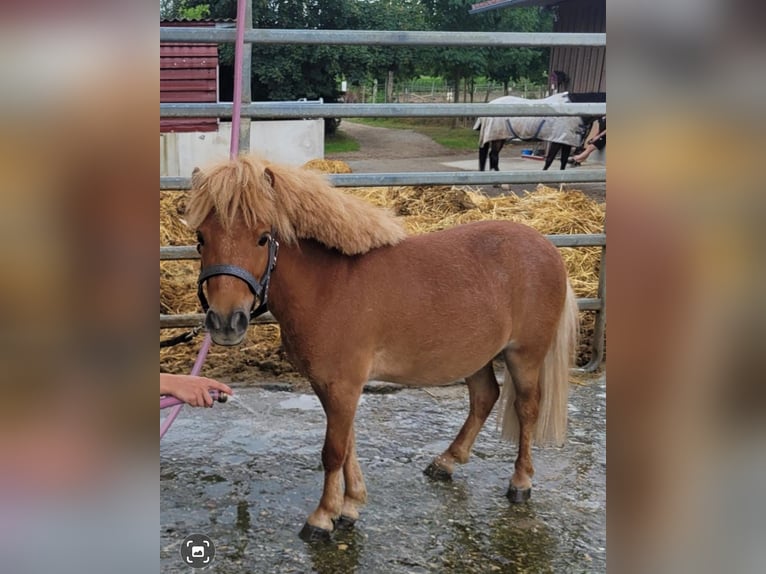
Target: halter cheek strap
{"type": "Point", "coordinates": [259, 289]}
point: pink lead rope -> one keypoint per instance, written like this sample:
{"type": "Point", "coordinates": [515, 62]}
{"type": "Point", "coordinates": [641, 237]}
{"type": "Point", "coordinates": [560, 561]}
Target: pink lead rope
{"type": "Point", "coordinates": [233, 153]}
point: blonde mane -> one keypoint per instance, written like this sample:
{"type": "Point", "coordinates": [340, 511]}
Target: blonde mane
{"type": "Point", "coordinates": [295, 202]}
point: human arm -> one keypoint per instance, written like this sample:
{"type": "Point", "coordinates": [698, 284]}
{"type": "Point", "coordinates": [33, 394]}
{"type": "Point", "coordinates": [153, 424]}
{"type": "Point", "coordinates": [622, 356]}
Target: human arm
{"type": "Point", "coordinates": [597, 136]}
{"type": "Point", "coordinates": [193, 390]}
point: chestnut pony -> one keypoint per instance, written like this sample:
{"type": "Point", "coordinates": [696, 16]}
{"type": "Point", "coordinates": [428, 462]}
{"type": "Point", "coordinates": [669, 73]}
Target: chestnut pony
{"type": "Point", "coordinates": [357, 299]}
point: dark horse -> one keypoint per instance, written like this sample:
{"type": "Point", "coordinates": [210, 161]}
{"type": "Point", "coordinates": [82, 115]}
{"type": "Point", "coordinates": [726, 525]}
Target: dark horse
{"type": "Point", "coordinates": [357, 299]}
{"type": "Point", "coordinates": [562, 132]}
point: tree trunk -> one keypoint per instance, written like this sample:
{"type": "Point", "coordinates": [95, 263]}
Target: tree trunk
{"type": "Point", "coordinates": [390, 87]}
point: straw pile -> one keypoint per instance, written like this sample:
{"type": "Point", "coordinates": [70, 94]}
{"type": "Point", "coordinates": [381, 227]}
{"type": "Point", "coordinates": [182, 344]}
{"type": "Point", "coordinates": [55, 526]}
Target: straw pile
{"type": "Point", "coordinates": [424, 209]}
{"type": "Point", "coordinates": [178, 291]}
{"type": "Point", "coordinates": [328, 166]}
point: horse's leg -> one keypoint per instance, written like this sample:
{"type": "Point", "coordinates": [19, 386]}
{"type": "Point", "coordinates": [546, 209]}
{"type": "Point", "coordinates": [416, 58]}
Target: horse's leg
{"type": "Point", "coordinates": [525, 374]}
{"type": "Point", "coordinates": [482, 394]}
{"type": "Point", "coordinates": [483, 150]}
{"type": "Point", "coordinates": [494, 155]}
{"type": "Point", "coordinates": [553, 149]}
{"type": "Point", "coordinates": [339, 404]}
{"type": "Point", "coordinates": [565, 151]}
{"type": "Point", "coordinates": [356, 491]}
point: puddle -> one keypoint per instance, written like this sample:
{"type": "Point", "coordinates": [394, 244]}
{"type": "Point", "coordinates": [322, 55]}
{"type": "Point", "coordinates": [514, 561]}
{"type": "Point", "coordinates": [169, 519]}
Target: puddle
{"type": "Point", "coordinates": [301, 403]}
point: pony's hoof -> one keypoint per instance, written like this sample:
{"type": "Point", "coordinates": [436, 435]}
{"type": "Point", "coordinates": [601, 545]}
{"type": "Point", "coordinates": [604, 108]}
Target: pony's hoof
{"type": "Point", "coordinates": [311, 533]}
{"type": "Point", "coordinates": [344, 522]}
{"type": "Point", "coordinates": [518, 495]}
{"type": "Point", "coordinates": [437, 473]}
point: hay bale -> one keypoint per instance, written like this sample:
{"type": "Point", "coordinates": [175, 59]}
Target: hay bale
{"type": "Point", "coordinates": [173, 230]}
{"type": "Point", "coordinates": [430, 201]}
{"type": "Point", "coordinates": [328, 166]}
{"type": "Point", "coordinates": [260, 357]}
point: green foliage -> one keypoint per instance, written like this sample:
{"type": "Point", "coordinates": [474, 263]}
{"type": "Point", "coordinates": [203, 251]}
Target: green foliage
{"type": "Point", "coordinates": [186, 9]}
{"type": "Point", "coordinates": [284, 72]}
{"type": "Point", "coordinates": [511, 64]}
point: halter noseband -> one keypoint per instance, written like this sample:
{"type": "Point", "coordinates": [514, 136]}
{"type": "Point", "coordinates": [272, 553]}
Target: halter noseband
{"type": "Point", "coordinates": [260, 289]}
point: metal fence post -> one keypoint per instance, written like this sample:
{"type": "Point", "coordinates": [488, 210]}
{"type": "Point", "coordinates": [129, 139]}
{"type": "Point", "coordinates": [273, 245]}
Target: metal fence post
{"type": "Point", "coordinates": [599, 327]}
{"type": "Point", "coordinates": [247, 81]}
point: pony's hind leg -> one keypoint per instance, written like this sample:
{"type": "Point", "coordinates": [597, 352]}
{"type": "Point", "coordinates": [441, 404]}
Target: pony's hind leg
{"type": "Point", "coordinates": [482, 393]}
{"type": "Point", "coordinates": [355, 493]}
{"type": "Point", "coordinates": [525, 374]}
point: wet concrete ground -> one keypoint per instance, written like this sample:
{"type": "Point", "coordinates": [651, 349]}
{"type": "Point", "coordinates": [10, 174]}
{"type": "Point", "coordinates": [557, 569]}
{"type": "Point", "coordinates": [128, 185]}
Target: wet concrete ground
{"type": "Point", "coordinates": [249, 480]}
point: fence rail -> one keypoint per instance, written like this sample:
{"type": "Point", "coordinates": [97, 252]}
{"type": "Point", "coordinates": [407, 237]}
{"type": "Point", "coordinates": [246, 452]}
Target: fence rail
{"type": "Point", "coordinates": [281, 110]}
{"type": "Point", "coordinates": [383, 37]}
{"type": "Point", "coordinates": [438, 178]}
{"type": "Point", "coordinates": [182, 252]}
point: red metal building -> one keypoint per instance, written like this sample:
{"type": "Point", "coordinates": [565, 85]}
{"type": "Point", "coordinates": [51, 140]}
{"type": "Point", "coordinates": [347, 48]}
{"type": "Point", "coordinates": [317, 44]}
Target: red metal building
{"type": "Point", "coordinates": [188, 73]}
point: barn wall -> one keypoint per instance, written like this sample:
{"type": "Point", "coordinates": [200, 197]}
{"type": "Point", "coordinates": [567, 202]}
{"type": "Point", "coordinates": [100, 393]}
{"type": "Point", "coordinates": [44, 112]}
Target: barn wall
{"type": "Point", "coordinates": [583, 64]}
{"type": "Point", "coordinates": [292, 142]}
{"type": "Point", "coordinates": [188, 74]}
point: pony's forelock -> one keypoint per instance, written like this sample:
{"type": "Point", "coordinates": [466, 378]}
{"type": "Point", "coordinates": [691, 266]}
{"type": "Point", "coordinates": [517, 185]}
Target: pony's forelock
{"type": "Point", "coordinates": [295, 202]}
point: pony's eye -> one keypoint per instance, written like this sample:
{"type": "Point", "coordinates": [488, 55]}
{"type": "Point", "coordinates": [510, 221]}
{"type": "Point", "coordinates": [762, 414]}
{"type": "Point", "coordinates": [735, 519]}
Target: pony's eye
{"type": "Point", "coordinates": [200, 242]}
{"type": "Point", "coordinates": [264, 238]}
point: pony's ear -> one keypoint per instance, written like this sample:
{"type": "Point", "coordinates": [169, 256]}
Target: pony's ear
{"type": "Point", "coordinates": [269, 175]}
{"type": "Point", "coordinates": [196, 177]}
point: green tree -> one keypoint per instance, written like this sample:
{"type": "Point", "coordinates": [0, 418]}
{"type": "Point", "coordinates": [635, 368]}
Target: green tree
{"type": "Point", "coordinates": [510, 64]}
{"type": "Point", "coordinates": [394, 63]}
{"type": "Point", "coordinates": [187, 9]}
{"type": "Point", "coordinates": [457, 63]}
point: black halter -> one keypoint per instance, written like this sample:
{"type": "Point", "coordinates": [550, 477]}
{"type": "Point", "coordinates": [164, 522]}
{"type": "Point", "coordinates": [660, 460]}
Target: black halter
{"type": "Point", "coordinates": [260, 289]}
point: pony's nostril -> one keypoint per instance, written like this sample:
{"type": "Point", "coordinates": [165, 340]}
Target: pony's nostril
{"type": "Point", "coordinates": [239, 321]}
{"type": "Point", "coordinates": [212, 321]}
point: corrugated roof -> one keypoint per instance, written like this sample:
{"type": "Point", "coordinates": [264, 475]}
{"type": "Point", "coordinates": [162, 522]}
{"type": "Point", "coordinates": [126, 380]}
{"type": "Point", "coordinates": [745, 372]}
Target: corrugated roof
{"type": "Point", "coordinates": [197, 21]}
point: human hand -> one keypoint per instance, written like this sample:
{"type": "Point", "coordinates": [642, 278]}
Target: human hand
{"type": "Point", "coordinates": [194, 391]}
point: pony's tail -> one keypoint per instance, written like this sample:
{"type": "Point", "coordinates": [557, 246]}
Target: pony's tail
{"type": "Point", "coordinates": [554, 383]}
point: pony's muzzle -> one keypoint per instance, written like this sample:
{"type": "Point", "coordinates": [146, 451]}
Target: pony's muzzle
{"type": "Point", "coordinates": [227, 330]}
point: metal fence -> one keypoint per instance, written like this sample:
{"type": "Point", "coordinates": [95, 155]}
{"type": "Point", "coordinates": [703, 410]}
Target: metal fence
{"type": "Point", "coordinates": [314, 110]}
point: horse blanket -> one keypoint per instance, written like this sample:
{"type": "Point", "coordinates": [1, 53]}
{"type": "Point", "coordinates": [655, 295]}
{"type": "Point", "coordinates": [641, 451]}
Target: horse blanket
{"type": "Point", "coordinates": [559, 129]}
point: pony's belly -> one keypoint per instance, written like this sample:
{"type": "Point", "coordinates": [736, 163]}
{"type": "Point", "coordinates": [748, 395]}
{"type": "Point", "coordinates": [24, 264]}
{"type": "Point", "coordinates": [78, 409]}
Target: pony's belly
{"type": "Point", "coordinates": [414, 369]}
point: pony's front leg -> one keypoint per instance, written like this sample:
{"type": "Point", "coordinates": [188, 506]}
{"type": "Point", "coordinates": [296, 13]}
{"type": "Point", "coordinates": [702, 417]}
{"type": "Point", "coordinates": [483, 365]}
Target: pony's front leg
{"type": "Point", "coordinates": [483, 151]}
{"type": "Point", "coordinates": [494, 155]}
{"type": "Point", "coordinates": [565, 151]}
{"type": "Point", "coordinates": [339, 402]}
{"type": "Point", "coordinates": [553, 149]}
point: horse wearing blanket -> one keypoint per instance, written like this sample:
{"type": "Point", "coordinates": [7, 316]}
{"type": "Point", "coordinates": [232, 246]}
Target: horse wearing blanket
{"type": "Point", "coordinates": [358, 299]}
{"type": "Point", "coordinates": [562, 132]}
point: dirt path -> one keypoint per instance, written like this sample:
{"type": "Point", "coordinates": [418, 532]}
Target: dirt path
{"type": "Point", "coordinates": [394, 150]}
{"type": "Point", "coordinates": [385, 150]}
